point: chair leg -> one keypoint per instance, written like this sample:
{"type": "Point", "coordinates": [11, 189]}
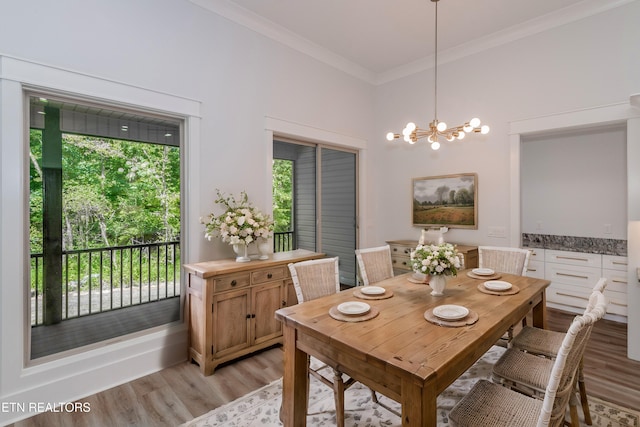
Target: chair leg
{"type": "Point", "coordinates": [338, 395]}
{"type": "Point", "coordinates": [573, 410]}
{"type": "Point", "coordinates": [583, 394]}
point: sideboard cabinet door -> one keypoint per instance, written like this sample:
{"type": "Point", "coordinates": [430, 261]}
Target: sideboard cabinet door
{"type": "Point", "coordinates": [230, 306]}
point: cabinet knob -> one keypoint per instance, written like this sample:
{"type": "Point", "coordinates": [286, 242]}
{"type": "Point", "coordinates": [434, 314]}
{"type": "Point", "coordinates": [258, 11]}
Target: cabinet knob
{"type": "Point", "coordinates": [233, 283]}
{"type": "Point", "coordinates": [284, 303]}
{"type": "Point", "coordinates": [269, 275]}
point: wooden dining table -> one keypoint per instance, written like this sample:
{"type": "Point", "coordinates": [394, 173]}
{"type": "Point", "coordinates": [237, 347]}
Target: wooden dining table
{"type": "Point", "coordinates": [398, 352]}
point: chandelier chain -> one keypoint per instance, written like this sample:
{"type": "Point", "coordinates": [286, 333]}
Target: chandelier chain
{"type": "Point", "coordinates": [435, 68]}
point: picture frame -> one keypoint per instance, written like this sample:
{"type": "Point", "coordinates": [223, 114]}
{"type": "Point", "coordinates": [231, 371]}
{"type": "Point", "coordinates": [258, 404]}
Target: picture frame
{"type": "Point", "coordinates": [445, 201]}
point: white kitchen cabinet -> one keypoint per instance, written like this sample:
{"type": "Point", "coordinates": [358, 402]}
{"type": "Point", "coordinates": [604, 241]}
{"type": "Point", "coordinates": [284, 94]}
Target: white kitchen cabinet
{"type": "Point", "coordinates": [614, 268]}
{"type": "Point", "coordinates": [536, 263]}
{"type": "Point", "coordinates": [573, 276]}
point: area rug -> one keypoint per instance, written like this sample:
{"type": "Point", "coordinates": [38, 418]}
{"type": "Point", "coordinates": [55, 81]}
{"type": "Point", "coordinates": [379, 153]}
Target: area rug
{"type": "Point", "coordinates": [261, 407]}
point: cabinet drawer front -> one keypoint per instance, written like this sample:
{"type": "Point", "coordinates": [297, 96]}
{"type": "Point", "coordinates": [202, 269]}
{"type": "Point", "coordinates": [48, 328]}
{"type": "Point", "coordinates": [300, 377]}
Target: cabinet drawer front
{"type": "Point", "coordinates": [268, 274]}
{"type": "Point", "coordinates": [536, 269]}
{"type": "Point", "coordinates": [617, 302]}
{"type": "Point", "coordinates": [577, 296]}
{"type": "Point", "coordinates": [573, 258]}
{"type": "Point", "coordinates": [616, 280]}
{"type": "Point", "coordinates": [612, 262]}
{"type": "Point", "coordinates": [575, 275]}
{"type": "Point", "coordinates": [401, 250]}
{"type": "Point", "coordinates": [232, 281]}
{"type": "Point", "coordinates": [401, 262]}
{"type": "Point", "coordinates": [537, 254]}
{"type": "Point", "coordinates": [571, 295]}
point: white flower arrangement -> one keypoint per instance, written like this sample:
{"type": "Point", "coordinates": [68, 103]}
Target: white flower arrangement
{"type": "Point", "coordinates": [435, 260]}
{"type": "Point", "coordinates": [240, 223]}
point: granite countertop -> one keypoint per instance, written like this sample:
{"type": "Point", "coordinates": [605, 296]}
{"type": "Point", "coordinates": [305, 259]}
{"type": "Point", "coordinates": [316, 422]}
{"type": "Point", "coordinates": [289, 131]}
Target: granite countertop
{"type": "Point", "coordinates": [592, 245]}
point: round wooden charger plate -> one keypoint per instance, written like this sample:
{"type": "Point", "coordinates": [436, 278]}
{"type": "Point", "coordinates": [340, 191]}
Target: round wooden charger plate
{"type": "Point", "coordinates": [358, 294]}
{"type": "Point", "coordinates": [477, 276]}
{"type": "Point", "coordinates": [471, 318]}
{"type": "Point", "coordinates": [514, 290]}
{"type": "Point", "coordinates": [333, 312]}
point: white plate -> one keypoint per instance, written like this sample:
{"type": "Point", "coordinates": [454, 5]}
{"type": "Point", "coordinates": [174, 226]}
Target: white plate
{"type": "Point", "coordinates": [372, 290]}
{"type": "Point", "coordinates": [497, 285]}
{"type": "Point", "coordinates": [483, 271]}
{"type": "Point", "coordinates": [451, 312]}
{"type": "Point", "coordinates": [353, 307]}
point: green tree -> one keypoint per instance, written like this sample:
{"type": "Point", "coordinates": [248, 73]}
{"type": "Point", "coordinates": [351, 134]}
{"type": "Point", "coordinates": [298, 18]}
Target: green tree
{"type": "Point", "coordinates": [282, 195]}
{"type": "Point", "coordinates": [114, 192]}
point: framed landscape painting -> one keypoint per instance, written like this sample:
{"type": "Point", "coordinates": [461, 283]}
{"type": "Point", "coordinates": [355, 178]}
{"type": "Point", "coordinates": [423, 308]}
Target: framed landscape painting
{"type": "Point", "coordinates": [446, 201]}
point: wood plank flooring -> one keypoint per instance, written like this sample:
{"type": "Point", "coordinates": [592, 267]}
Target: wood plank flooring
{"type": "Point", "coordinates": [180, 393]}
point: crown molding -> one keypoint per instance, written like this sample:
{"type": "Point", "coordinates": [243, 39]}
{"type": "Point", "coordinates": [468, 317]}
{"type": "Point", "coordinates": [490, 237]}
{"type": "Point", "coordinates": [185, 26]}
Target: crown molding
{"type": "Point", "coordinates": [253, 21]}
{"type": "Point", "coordinates": [543, 23]}
{"type": "Point", "coordinates": [270, 29]}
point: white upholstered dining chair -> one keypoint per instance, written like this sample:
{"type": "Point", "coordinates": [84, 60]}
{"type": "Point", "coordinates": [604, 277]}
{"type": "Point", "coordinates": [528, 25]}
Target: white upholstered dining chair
{"type": "Point", "coordinates": [546, 343]}
{"type": "Point", "coordinates": [314, 279]}
{"type": "Point", "coordinates": [504, 260]}
{"type": "Point", "coordinates": [374, 264]}
{"type": "Point", "coordinates": [492, 404]}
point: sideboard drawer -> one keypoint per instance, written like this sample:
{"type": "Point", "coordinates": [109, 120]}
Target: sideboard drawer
{"type": "Point", "coordinates": [231, 281]}
{"type": "Point", "coordinates": [401, 250]}
{"type": "Point", "coordinates": [401, 262]}
{"type": "Point", "coordinates": [268, 274]}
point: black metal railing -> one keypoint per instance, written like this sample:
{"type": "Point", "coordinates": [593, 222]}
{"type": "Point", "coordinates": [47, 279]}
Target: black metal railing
{"type": "Point", "coordinates": [284, 241]}
{"type": "Point", "coordinates": [104, 279]}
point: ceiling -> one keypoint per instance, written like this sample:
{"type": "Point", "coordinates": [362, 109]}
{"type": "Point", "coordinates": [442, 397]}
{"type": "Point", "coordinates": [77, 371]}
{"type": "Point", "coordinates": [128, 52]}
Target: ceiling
{"type": "Point", "coordinates": [379, 40]}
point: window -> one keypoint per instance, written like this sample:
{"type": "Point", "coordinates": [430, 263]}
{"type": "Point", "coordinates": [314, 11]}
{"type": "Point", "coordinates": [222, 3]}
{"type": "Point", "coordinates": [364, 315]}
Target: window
{"type": "Point", "coordinates": [284, 228]}
{"type": "Point", "coordinates": [323, 194]}
{"type": "Point", "coordinates": [104, 222]}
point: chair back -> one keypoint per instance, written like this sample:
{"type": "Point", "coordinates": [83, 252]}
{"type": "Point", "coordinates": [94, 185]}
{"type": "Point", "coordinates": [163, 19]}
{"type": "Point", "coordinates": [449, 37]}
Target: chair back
{"type": "Point", "coordinates": [598, 288]}
{"type": "Point", "coordinates": [374, 264]}
{"type": "Point", "coordinates": [315, 278]}
{"type": "Point", "coordinates": [504, 259]}
{"type": "Point", "coordinates": [564, 369]}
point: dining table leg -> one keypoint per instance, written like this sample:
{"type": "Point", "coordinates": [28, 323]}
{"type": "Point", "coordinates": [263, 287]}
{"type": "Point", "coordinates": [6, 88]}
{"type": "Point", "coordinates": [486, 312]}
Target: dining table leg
{"type": "Point", "coordinates": [539, 312]}
{"type": "Point", "coordinates": [295, 381]}
{"type": "Point", "coordinates": [419, 405]}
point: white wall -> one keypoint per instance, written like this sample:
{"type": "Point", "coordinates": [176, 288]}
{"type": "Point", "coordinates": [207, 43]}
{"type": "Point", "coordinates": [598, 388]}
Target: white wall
{"type": "Point", "coordinates": [575, 183]}
{"type": "Point", "coordinates": [237, 77]}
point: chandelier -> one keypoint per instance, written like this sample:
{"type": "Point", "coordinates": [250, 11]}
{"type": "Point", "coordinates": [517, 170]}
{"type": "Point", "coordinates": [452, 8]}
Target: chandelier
{"type": "Point", "coordinates": [411, 133]}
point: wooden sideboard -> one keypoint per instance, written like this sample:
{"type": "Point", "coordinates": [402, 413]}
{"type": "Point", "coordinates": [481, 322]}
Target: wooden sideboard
{"type": "Point", "coordinates": [230, 305]}
{"type": "Point", "coordinates": [401, 254]}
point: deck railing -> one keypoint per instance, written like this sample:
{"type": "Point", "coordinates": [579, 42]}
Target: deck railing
{"type": "Point", "coordinates": [284, 241]}
{"type": "Point", "coordinates": [104, 279]}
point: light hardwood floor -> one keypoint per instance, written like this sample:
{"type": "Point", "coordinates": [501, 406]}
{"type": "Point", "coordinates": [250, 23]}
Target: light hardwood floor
{"type": "Point", "coordinates": [180, 393]}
